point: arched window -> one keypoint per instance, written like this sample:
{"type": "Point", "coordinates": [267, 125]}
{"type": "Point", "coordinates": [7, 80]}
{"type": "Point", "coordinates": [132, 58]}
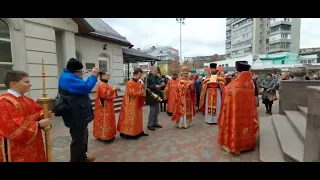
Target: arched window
{"type": "Point", "coordinates": [6, 63]}
{"type": "Point", "coordinates": [103, 62]}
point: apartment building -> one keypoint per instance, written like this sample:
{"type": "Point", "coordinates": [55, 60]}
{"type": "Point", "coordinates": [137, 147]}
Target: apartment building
{"type": "Point", "coordinates": [255, 36]}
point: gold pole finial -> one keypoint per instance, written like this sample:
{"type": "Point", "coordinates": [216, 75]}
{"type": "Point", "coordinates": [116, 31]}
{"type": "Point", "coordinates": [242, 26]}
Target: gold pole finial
{"type": "Point", "coordinates": [44, 100]}
{"type": "Point", "coordinates": [44, 92]}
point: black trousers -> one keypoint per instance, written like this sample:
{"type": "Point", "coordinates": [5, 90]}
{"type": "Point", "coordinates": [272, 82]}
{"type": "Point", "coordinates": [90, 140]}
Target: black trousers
{"type": "Point", "coordinates": [163, 106]}
{"type": "Point", "coordinates": [79, 144]}
{"type": "Point", "coordinates": [268, 104]}
{"type": "Point", "coordinates": [198, 100]}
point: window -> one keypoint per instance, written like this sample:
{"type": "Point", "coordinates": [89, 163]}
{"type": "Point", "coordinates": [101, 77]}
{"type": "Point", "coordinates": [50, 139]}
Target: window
{"type": "Point", "coordinates": [260, 41]}
{"type": "Point", "coordinates": [267, 41]}
{"type": "Point", "coordinates": [282, 61]}
{"type": "Point", "coordinates": [6, 63]}
{"type": "Point", "coordinates": [103, 65]}
{"type": "Point", "coordinates": [89, 66]}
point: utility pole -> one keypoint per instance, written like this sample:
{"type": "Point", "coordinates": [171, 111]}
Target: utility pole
{"type": "Point", "coordinates": [181, 22]}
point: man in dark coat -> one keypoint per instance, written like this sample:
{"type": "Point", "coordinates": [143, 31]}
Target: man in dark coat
{"type": "Point", "coordinates": [75, 92]}
{"type": "Point", "coordinates": [154, 84]}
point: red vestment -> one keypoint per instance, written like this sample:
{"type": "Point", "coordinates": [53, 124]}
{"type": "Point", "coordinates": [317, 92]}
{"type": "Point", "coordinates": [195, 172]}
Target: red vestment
{"type": "Point", "coordinates": [185, 87]}
{"type": "Point", "coordinates": [172, 91]}
{"type": "Point", "coordinates": [238, 125]}
{"type": "Point", "coordinates": [212, 92]}
{"type": "Point", "coordinates": [130, 118]}
{"type": "Point", "coordinates": [104, 125]}
{"type": "Point", "coordinates": [20, 138]}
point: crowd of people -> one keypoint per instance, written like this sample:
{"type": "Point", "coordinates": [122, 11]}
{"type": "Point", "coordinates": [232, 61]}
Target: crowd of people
{"type": "Point", "coordinates": [227, 100]}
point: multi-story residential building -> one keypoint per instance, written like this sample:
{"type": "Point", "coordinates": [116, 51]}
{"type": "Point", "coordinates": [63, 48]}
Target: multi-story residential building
{"type": "Point", "coordinates": [166, 54]}
{"type": "Point", "coordinates": [255, 36]}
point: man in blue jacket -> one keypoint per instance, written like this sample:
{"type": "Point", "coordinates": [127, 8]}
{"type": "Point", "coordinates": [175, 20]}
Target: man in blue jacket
{"type": "Point", "coordinates": [75, 92]}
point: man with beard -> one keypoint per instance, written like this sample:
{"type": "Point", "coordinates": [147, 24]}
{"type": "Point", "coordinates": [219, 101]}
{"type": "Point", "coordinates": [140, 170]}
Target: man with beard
{"type": "Point", "coordinates": [130, 123]}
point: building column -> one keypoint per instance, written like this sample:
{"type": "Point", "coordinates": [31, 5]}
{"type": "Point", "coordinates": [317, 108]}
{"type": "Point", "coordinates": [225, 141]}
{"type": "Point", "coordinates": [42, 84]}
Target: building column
{"type": "Point", "coordinates": [68, 47]}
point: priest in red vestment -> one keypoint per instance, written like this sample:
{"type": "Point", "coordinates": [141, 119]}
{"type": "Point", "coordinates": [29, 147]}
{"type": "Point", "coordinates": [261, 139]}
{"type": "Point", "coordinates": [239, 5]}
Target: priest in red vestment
{"type": "Point", "coordinates": [238, 125]}
{"type": "Point", "coordinates": [210, 97]}
{"type": "Point", "coordinates": [184, 107]}
{"type": "Point", "coordinates": [130, 123]}
{"type": "Point", "coordinates": [171, 89]}
{"type": "Point", "coordinates": [20, 122]}
{"type": "Point", "coordinates": [104, 123]}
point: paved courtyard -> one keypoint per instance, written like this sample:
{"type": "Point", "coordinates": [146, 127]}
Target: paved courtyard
{"type": "Point", "coordinates": [168, 144]}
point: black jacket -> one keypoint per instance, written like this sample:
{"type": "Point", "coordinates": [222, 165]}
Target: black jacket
{"type": "Point", "coordinates": [256, 89]}
{"type": "Point", "coordinates": [80, 111]}
{"type": "Point", "coordinates": [152, 81]}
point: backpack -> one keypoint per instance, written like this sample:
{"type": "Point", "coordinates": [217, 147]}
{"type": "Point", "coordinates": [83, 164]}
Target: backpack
{"type": "Point", "coordinates": [61, 106]}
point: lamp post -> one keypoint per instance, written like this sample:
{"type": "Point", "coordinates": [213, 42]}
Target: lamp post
{"type": "Point", "coordinates": [181, 22]}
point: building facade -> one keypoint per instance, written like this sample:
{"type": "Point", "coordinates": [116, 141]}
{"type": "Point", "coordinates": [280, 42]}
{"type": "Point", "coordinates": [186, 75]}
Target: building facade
{"type": "Point", "coordinates": [167, 56]}
{"type": "Point", "coordinates": [255, 36]}
{"type": "Point", "coordinates": [24, 42]}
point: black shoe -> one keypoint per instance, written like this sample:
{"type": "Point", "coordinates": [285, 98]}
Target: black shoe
{"type": "Point", "coordinates": [111, 140]}
{"type": "Point", "coordinates": [151, 128]}
{"type": "Point", "coordinates": [144, 134]}
{"type": "Point", "coordinates": [157, 126]}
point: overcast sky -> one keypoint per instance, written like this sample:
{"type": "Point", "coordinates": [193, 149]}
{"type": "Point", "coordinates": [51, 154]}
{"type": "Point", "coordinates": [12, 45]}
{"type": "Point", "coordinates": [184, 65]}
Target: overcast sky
{"type": "Point", "coordinates": [200, 36]}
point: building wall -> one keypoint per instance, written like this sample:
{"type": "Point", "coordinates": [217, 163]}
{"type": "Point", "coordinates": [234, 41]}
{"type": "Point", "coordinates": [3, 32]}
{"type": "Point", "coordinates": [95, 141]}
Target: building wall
{"type": "Point", "coordinates": [54, 41]}
{"type": "Point", "coordinates": [40, 38]}
{"type": "Point", "coordinates": [245, 36]}
{"type": "Point", "coordinates": [33, 39]}
{"type": "Point", "coordinates": [18, 45]}
{"type": "Point", "coordinates": [295, 35]}
{"type": "Point", "coordinates": [231, 62]}
{"type": "Point", "coordinates": [90, 50]}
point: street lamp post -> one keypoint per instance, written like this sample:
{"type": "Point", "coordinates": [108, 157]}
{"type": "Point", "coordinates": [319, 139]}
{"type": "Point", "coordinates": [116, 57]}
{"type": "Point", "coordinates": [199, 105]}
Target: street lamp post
{"type": "Point", "coordinates": [181, 22]}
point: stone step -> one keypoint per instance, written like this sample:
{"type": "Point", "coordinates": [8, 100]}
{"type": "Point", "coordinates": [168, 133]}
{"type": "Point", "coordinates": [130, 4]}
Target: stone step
{"type": "Point", "coordinates": [303, 110]}
{"type": "Point", "coordinates": [118, 99]}
{"type": "Point", "coordinates": [270, 150]}
{"type": "Point", "coordinates": [298, 122]}
{"type": "Point", "coordinates": [117, 109]}
{"type": "Point", "coordinates": [290, 143]}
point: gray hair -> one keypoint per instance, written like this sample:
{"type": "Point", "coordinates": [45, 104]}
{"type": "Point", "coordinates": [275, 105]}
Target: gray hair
{"type": "Point", "coordinates": [152, 68]}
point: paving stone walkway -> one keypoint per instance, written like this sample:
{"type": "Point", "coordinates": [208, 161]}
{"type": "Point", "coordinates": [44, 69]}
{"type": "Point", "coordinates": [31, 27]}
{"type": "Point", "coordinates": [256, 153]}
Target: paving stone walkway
{"type": "Point", "coordinates": [168, 144]}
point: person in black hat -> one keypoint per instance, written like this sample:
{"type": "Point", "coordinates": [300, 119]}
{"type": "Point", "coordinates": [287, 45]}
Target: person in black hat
{"type": "Point", "coordinates": [269, 85]}
{"type": "Point", "coordinates": [210, 97]}
{"type": "Point", "coordinates": [238, 123]}
{"type": "Point", "coordinates": [76, 108]}
{"type": "Point", "coordinates": [237, 66]}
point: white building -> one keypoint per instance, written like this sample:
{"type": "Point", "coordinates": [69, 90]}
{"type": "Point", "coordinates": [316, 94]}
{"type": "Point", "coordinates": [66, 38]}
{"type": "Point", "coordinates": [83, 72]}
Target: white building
{"type": "Point", "coordinates": [229, 64]}
{"type": "Point", "coordinates": [245, 36]}
{"type": "Point", "coordinates": [25, 41]}
{"type": "Point", "coordinates": [164, 53]}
